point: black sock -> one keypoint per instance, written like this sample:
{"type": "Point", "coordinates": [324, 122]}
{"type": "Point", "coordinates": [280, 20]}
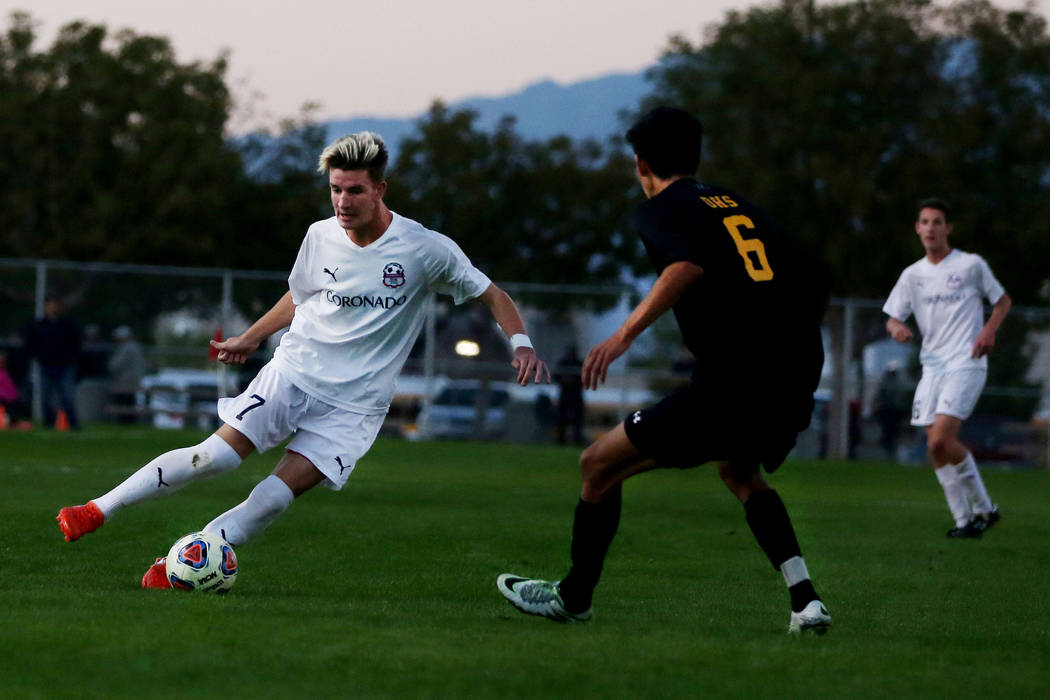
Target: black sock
{"type": "Point", "coordinates": [593, 529]}
{"type": "Point", "coordinates": [769, 522]}
{"type": "Point", "coordinates": [802, 594]}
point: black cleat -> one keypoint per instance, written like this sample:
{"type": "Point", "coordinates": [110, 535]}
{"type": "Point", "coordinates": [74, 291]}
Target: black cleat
{"type": "Point", "coordinates": [986, 520]}
{"type": "Point", "coordinates": [970, 531]}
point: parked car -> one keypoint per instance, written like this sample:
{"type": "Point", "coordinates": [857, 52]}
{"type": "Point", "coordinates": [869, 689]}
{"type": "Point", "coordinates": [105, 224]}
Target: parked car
{"type": "Point", "coordinates": [180, 398]}
{"type": "Point", "coordinates": [452, 412]}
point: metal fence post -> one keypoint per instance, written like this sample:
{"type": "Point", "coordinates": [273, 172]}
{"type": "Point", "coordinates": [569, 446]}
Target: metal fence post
{"type": "Point", "coordinates": [225, 320]}
{"type": "Point", "coordinates": [849, 311]}
{"type": "Point", "coordinates": [36, 379]}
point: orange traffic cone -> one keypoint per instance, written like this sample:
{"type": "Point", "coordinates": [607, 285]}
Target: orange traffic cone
{"type": "Point", "coordinates": [62, 421]}
{"type": "Point", "coordinates": [4, 420]}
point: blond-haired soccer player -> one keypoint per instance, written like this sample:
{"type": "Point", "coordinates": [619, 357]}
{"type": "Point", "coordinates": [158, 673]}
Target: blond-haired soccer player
{"type": "Point", "coordinates": [944, 292]}
{"type": "Point", "coordinates": [355, 305]}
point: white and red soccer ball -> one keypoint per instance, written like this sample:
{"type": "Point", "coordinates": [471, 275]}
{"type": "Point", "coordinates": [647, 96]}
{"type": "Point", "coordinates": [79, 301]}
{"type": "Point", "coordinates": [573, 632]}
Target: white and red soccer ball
{"type": "Point", "coordinates": [201, 561]}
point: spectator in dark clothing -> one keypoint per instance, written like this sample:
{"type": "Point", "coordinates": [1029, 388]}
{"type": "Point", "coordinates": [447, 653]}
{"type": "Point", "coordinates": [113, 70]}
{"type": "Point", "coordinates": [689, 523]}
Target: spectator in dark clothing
{"type": "Point", "coordinates": [54, 341]}
{"type": "Point", "coordinates": [570, 397]}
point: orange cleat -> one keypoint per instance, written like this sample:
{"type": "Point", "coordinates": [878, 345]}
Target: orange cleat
{"type": "Point", "coordinates": [77, 521]}
{"type": "Point", "coordinates": [157, 575]}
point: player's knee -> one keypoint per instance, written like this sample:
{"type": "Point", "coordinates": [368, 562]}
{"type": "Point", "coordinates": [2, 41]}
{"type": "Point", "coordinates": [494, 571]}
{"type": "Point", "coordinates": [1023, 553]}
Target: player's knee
{"type": "Point", "coordinates": [592, 465]}
{"type": "Point", "coordinates": [213, 456]}
{"type": "Point", "coordinates": [937, 446]}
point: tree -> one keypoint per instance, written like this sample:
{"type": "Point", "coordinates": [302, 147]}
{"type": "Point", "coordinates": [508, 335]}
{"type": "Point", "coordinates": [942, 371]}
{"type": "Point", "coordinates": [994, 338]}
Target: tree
{"type": "Point", "coordinates": [554, 211]}
{"type": "Point", "coordinates": [118, 150]}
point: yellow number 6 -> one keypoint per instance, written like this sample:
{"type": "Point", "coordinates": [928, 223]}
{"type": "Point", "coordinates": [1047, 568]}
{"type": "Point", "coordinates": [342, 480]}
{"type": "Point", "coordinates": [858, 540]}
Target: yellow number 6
{"type": "Point", "coordinates": [762, 273]}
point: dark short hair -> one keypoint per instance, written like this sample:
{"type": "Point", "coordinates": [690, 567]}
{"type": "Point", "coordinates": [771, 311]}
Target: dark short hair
{"type": "Point", "coordinates": [935, 203]}
{"type": "Point", "coordinates": [669, 140]}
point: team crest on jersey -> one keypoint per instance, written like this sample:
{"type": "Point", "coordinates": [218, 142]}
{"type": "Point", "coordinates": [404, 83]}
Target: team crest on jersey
{"type": "Point", "coordinates": [954, 281]}
{"type": "Point", "coordinates": [393, 275]}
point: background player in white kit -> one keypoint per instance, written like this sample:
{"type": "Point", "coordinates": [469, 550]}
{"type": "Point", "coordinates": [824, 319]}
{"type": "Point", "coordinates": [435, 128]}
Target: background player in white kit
{"type": "Point", "coordinates": [944, 291]}
{"type": "Point", "coordinates": [355, 305]}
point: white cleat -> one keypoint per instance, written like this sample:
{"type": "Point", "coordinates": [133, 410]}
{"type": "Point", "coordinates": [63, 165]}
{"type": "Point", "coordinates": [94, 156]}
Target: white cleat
{"type": "Point", "coordinates": [813, 617]}
{"type": "Point", "coordinates": [537, 597]}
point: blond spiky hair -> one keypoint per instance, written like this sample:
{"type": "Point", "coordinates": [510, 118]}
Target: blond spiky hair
{"type": "Point", "coordinates": [361, 151]}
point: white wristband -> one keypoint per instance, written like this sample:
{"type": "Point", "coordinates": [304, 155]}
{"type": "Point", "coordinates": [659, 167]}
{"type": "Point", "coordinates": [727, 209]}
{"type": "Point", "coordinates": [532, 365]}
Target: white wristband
{"type": "Point", "coordinates": [520, 340]}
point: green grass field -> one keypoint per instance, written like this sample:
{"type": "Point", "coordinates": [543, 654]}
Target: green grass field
{"type": "Point", "coordinates": [386, 589]}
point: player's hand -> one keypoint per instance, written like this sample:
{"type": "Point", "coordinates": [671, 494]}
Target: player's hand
{"type": "Point", "coordinates": [902, 334]}
{"type": "Point", "coordinates": [596, 366]}
{"type": "Point", "coordinates": [984, 344]}
{"type": "Point", "coordinates": [530, 367]}
{"type": "Point", "coordinates": [235, 350]}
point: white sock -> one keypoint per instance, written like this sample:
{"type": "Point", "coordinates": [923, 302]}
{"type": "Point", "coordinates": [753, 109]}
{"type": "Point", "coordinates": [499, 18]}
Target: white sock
{"type": "Point", "coordinates": [954, 493]}
{"type": "Point", "coordinates": [170, 472]}
{"type": "Point", "coordinates": [973, 485]}
{"type": "Point", "coordinates": [794, 571]}
{"type": "Point", "coordinates": [265, 503]}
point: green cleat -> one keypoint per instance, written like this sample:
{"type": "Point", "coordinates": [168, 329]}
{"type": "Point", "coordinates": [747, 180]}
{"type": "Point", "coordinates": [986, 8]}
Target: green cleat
{"type": "Point", "coordinates": [537, 597]}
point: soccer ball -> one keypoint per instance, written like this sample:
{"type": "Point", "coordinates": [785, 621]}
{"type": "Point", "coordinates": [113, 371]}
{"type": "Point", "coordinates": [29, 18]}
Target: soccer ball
{"type": "Point", "coordinates": [201, 561]}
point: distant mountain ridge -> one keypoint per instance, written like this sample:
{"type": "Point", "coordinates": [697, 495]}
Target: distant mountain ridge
{"type": "Point", "coordinates": [585, 109]}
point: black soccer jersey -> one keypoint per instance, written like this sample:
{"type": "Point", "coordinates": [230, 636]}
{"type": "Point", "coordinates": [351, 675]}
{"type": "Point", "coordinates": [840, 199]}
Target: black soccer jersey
{"type": "Point", "coordinates": [753, 318]}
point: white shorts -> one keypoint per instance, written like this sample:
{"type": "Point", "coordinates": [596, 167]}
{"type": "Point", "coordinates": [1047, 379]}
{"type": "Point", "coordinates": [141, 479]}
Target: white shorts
{"type": "Point", "coordinates": [953, 393]}
{"type": "Point", "coordinates": [272, 408]}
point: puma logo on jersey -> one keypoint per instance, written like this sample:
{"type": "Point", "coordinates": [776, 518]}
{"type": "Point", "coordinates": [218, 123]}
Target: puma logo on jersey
{"type": "Point", "coordinates": [340, 463]}
{"type": "Point", "coordinates": [332, 273]}
{"type": "Point", "coordinates": [160, 479]}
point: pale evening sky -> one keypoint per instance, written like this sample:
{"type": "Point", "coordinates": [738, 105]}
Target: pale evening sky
{"type": "Point", "coordinates": [393, 57]}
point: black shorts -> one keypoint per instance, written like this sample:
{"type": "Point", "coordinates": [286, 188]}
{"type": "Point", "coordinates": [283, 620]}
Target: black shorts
{"type": "Point", "coordinates": [692, 426]}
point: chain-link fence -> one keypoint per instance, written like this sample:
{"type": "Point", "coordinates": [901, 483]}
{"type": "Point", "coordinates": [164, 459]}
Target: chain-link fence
{"type": "Point", "coordinates": [456, 382]}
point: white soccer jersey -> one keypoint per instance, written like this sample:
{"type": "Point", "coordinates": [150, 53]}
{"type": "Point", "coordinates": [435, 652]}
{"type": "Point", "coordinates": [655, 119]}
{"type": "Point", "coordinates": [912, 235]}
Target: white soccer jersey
{"type": "Point", "coordinates": [359, 310]}
{"type": "Point", "coordinates": [946, 299]}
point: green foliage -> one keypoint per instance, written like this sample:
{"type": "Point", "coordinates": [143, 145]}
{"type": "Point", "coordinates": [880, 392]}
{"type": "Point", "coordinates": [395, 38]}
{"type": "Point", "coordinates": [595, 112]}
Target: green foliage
{"type": "Point", "coordinates": [838, 118]}
{"type": "Point", "coordinates": [387, 589]}
{"type": "Point", "coordinates": [111, 150]}
{"type": "Point", "coordinates": [553, 211]}
{"type": "Point", "coordinates": [116, 150]}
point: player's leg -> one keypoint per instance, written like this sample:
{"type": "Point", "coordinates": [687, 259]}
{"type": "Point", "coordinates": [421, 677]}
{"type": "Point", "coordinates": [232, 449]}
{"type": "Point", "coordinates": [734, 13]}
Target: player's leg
{"type": "Point", "coordinates": [768, 519]}
{"type": "Point", "coordinates": [604, 466]}
{"type": "Point", "coordinates": [222, 451]}
{"type": "Point", "coordinates": [945, 450]}
{"type": "Point", "coordinates": [957, 400]}
{"type": "Point", "coordinates": [957, 471]}
{"type": "Point", "coordinates": [294, 475]}
{"type": "Point", "coordinates": [327, 444]}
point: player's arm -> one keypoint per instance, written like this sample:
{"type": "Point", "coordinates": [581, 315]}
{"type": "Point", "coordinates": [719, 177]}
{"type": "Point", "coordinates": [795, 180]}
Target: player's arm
{"type": "Point", "coordinates": [668, 289]}
{"type": "Point", "coordinates": [898, 330]}
{"type": "Point", "coordinates": [235, 350]}
{"type": "Point", "coordinates": [985, 342]}
{"type": "Point", "coordinates": [505, 311]}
